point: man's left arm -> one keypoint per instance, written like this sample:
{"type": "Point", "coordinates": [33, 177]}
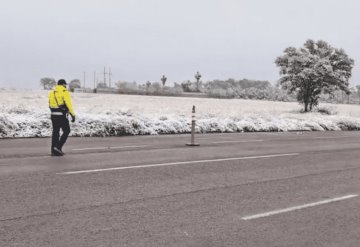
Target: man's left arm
{"type": "Point", "coordinates": [68, 103]}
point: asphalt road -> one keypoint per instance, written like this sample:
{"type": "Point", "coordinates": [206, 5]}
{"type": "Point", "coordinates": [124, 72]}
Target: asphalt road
{"type": "Point", "coordinates": [244, 189]}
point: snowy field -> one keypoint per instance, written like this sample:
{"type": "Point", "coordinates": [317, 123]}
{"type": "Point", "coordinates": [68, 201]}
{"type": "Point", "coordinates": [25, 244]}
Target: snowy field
{"type": "Point", "coordinates": [26, 114]}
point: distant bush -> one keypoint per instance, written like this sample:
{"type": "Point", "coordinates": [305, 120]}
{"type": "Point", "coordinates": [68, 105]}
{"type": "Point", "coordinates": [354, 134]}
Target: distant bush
{"type": "Point", "coordinates": [327, 110]}
{"type": "Point", "coordinates": [75, 83]}
{"type": "Point", "coordinates": [246, 89]}
{"type": "Point", "coordinates": [192, 87]}
{"type": "Point", "coordinates": [149, 88]}
{"type": "Point", "coordinates": [127, 87]}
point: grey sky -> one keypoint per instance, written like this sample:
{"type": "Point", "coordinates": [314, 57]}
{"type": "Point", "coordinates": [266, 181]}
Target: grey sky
{"type": "Point", "coordinates": [143, 39]}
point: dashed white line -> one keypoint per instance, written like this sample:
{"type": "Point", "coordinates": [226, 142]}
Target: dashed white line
{"type": "Point", "coordinates": [286, 210]}
{"type": "Point", "coordinates": [177, 163]}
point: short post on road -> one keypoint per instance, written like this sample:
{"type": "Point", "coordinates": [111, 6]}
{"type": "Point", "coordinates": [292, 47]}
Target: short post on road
{"type": "Point", "coordinates": [193, 122]}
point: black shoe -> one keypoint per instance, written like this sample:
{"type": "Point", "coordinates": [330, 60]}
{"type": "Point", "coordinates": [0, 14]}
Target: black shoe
{"type": "Point", "coordinates": [57, 152]}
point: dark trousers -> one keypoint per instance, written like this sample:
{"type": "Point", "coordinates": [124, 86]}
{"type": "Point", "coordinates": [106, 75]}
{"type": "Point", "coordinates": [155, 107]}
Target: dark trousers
{"type": "Point", "coordinates": [59, 122]}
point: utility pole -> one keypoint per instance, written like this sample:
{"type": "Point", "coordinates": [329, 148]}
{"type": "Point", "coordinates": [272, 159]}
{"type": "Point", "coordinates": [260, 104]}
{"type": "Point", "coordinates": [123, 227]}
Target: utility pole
{"type": "Point", "coordinates": [110, 77]}
{"type": "Point", "coordinates": [84, 80]}
{"type": "Point", "coordinates": [94, 79]}
{"type": "Point", "coordinates": [104, 77]}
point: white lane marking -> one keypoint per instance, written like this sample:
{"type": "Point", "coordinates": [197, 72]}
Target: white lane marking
{"type": "Point", "coordinates": [178, 163]}
{"type": "Point", "coordinates": [286, 210]}
{"type": "Point", "coordinates": [105, 148]}
{"type": "Point", "coordinates": [243, 141]}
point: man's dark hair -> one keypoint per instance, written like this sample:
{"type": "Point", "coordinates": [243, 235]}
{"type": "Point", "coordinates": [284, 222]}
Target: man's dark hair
{"type": "Point", "coordinates": [61, 82]}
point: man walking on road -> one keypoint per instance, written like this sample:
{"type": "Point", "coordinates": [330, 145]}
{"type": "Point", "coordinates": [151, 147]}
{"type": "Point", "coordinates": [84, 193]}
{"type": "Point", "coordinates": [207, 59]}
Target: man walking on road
{"type": "Point", "coordinates": [60, 107]}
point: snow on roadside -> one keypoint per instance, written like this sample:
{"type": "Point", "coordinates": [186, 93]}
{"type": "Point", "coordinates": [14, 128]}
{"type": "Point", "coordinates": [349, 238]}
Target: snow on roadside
{"type": "Point", "coordinates": [27, 124]}
{"type": "Point", "coordinates": [28, 116]}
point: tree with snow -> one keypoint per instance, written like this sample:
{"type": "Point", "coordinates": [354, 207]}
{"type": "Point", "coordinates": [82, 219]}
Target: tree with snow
{"type": "Point", "coordinates": [101, 85]}
{"type": "Point", "coordinates": [47, 82]}
{"type": "Point", "coordinates": [75, 83]}
{"type": "Point", "coordinates": [313, 69]}
{"type": "Point", "coordinates": [198, 82]}
{"type": "Point", "coordinates": [163, 80]}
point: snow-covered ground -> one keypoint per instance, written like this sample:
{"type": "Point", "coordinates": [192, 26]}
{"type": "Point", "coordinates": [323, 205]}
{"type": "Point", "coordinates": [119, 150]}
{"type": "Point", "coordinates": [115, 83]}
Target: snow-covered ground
{"type": "Point", "coordinates": [26, 114]}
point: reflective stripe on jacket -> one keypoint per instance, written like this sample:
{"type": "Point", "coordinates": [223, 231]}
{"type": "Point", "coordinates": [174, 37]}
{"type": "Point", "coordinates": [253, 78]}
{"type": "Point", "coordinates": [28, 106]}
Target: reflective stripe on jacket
{"type": "Point", "coordinates": [55, 113]}
{"type": "Point", "coordinates": [63, 98]}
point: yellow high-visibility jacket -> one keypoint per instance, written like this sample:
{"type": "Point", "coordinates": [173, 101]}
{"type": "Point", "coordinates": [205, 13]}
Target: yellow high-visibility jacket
{"type": "Point", "coordinates": [62, 98]}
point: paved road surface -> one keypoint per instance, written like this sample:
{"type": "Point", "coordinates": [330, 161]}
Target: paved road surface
{"type": "Point", "coordinates": [253, 189]}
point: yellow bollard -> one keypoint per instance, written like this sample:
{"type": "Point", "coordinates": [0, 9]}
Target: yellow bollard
{"type": "Point", "coordinates": [193, 122]}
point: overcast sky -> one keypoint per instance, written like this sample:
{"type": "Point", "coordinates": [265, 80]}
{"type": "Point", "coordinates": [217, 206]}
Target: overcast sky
{"type": "Point", "coordinates": [143, 39]}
